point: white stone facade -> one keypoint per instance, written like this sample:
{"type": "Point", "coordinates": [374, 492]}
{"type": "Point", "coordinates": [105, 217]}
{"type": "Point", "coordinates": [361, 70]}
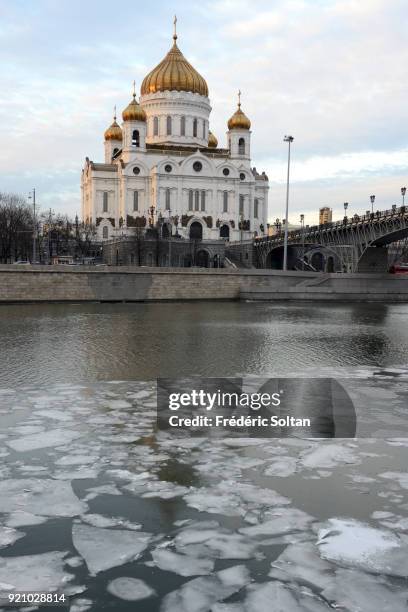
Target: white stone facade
{"type": "Point", "coordinates": [164, 167]}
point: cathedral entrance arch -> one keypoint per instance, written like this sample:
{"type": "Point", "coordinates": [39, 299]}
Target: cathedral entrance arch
{"type": "Point", "coordinates": [196, 231]}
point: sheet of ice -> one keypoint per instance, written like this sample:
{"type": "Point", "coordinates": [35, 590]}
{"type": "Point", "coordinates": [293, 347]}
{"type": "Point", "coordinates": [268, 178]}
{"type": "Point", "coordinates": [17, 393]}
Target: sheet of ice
{"type": "Point", "coordinates": [81, 604]}
{"type": "Point", "coordinates": [52, 437]}
{"type": "Point", "coordinates": [8, 536]}
{"type": "Point", "coordinates": [278, 597]}
{"type": "Point", "coordinates": [76, 459]}
{"type": "Point", "coordinates": [57, 415]}
{"type": "Point", "coordinates": [109, 489]}
{"type": "Point", "coordinates": [301, 563]}
{"type": "Point", "coordinates": [181, 564]}
{"type": "Point", "coordinates": [360, 592]}
{"type": "Point", "coordinates": [328, 455]}
{"type": "Point", "coordinates": [43, 572]}
{"type": "Point", "coordinates": [98, 520]}
{"type": "Point", "coordinates": [282, 467]}
{"type": "Point", "coordinates": [40, 496]}
{"type": "Point", "coordinates": [81, 474]}
{"type": "Point", "coordinates": [105, 548]}
{"type": "Point", "coordinates": [349, 542]}
{"type": "Point", "coordinates": [21, 518]}
{"type": "Point", "coordinates": [215, 543]}
{"type": "Point", "coordinates": [400, 477]}
{"type": "Point", "coordinates": [280, 521]}
{"type": "Point", "coordinates": [130, 589]}
{"type": "Point", "coordinates": [200, 594]}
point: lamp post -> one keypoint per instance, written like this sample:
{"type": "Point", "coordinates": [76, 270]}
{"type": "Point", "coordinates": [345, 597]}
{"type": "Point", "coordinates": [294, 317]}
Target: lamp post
{"type": "Point", "coordinates": [289, 140]}
{"type": "Point", "coordinates": [302, 224]}
{"type": "Point", "coordinates": [403, 192]}
{"type": "Point", "coordinates": [345, 209]}
{"type": "Point", "coordinates": [34, 227]}
{"type": "Point", "coordinates": [372, 200]}
{"type": "Point", "coordinates": [170, 239]}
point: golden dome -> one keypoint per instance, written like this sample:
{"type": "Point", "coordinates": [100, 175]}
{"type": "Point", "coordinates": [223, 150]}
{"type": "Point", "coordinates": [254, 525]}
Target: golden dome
{"type": "Point", "coordinates": [239, 120]}
{"type": "Point", "coordinates": [212, 141]}
{"type": "Point", "coordinates": [113, 132]}
{"type": "Point", "coordinates": [133, 111]}
{"type": "Point", "coordinates": [174, 73]}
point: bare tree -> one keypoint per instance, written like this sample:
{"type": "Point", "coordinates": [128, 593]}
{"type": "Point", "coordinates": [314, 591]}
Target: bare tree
{"type": "Point", "coordinates": [16, 228]}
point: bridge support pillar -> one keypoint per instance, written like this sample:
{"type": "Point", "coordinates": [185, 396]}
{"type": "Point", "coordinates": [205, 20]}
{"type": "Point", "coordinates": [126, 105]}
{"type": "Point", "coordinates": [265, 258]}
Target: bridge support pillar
{"type": "Point", "coordinates": [374, 259]}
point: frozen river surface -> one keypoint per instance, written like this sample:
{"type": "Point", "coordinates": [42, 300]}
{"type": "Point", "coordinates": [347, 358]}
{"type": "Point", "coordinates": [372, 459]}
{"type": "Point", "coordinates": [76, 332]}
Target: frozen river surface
{"type": "Point", "coordinates": [95, 503]}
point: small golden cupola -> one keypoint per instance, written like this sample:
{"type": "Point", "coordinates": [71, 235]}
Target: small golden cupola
{"type": "Point", "coordinates": [114, 131]}
{"type": "Point", "coordinates": [212, 141]}
{"type": "Point", "coordinates": [239, 120]}
{"type": "Point", "coordinates": [133, 111]}
{"type": "Point", "coordinates": [174, 73]}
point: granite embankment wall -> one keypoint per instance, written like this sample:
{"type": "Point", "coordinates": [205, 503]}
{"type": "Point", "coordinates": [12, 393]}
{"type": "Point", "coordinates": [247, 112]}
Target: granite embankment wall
{"type": "Point", "coordinates": [111, 284]}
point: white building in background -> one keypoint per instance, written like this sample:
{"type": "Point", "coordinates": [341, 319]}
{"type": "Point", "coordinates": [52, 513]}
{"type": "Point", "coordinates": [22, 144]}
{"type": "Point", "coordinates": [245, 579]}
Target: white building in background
{"type": "Point", "coordinates": [164, 162]}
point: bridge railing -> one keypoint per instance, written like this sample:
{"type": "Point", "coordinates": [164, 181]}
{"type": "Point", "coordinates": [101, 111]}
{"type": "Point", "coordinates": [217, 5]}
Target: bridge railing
{"type": "Point", "coordinates": [299, 234]}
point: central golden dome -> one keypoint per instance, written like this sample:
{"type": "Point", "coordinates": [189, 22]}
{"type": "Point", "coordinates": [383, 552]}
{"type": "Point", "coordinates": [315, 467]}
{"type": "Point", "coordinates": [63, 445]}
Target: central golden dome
{"type": "Point", "coordinates": [174, 73]}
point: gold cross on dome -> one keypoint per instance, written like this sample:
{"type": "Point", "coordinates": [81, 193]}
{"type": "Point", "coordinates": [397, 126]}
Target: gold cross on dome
{"type": "Point", "coordinates": [175, 27]}
{"type": "Point", "coordinates": [134, 89]}
{"type": "Point", "coordinates": [114, 113]}
{"type": "Point", "coordinates": [239, 98]}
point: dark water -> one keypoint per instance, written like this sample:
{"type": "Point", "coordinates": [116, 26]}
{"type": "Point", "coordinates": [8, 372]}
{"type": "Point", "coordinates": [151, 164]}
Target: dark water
{"type": "Point", "coordinates": [64, 343]}
{"type": "Point", "coordinates": [81, 454]}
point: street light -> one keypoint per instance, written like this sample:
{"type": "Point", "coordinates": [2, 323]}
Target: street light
{"type": "Point", "coordinates": [34, 228]}
{"type": "Point", "coordinates": [289, 140]}
{"type": "Point", "coordinates": [302, 224]}
{"type": "Point", "coordinates": [403, 192]}
{"type": "Point", "coordinates": [345, 209]}
{"type": "Point", "coordinates": [372, 199]}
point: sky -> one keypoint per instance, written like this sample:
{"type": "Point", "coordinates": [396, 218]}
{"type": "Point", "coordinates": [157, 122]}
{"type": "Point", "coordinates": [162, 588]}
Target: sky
{"type": "Point", "coordinates": [331, 73]}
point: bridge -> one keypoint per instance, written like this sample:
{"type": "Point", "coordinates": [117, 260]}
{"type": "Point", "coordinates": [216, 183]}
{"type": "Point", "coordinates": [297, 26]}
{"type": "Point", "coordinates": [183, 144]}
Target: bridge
{"type": "Point", "coordinates": [362, 243]}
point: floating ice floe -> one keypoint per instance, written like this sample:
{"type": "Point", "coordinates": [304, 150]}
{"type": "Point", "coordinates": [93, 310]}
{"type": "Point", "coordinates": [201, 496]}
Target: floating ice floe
{"type": "Point", "coordinates": [280, 521]}
{"type": "Point", "coordinates": [73, 459]}
{"type": "Point", "coordinates": [40, 496]}
{"type": "Point", "coordinates": [130, 589]}
{"type": "Point", "coordinates": [301, 563]}
{"type": "Point", "coordinates": [282, 467]}
{"type": "Point", "coordinates": [400, 477]}
{"type": "Point", "coordinates": [109, 489]}
{"type": "Point", "coordinates": [98, 520]}
{"type": "Point", "coordinates": [81, 604]}
{"type": "Point", "coordinates": [215, 543]}
{"type": "Point", "coordinates": [53, 437]}
{"type": "Point", "coordinates": [278, 597]}
{"type": "Point", "coordinates": [105, 548]}
{"type": "Point", "coordinates": [350, 543]}
{"type": "Point", "coordinates": [8, 536]}
{"type": "Point", "coordinates": [328, 455]}
{"type": "Point", "coordinates": [57, 415]}
{"type": "Point", "coordinates": [21, 518]}
{"type": "Point", "coordinates": [200, 594]}
{"type": "Point", "coordinates": [181, 564]}
{"type": "Point", "coordinates": [43, 572]}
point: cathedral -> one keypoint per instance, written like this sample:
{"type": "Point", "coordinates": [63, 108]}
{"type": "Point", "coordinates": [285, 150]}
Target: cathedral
{"type": "Point", "coordinates": [163, 165]}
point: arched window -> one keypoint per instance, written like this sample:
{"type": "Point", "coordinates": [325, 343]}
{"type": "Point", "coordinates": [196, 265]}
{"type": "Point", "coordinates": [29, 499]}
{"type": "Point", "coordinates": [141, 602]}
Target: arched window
{"type": "Point", "coordinates": [203, 130]}
{"type": "Point", "coordinates": [167, 199]}
{"type": "Point", "coordinates": [183, 126]}
{"type": "Point", "coordinates": [168, 126]}
{"type": "Point", "coordinates": [105, 201]}
{"type": "Point", "coordinates": [256, 206]}
{"type": "Point", "coordinates": [197, 200]}
{"type": "Point", "coordinates": [135, 200]}
{"type": "Point", "coordinates": [136, 138]}
{"type": "Point", "coordinates": [155, 126]}
{"type": "Point", "coordinates": [225, 201]}
{"type": "Point", "coordinates": [241, 204]}
{"type": "Point", "coordinates": [203, 200]}
{"type": "Point", "coordinates": [195, 123]}
{"type": "Point", "coordinates": [115, 150]}
{"type": "Point", "coordinates": [241, 146]}
{"type": "Point", "coordinates": [105, 232]}
{"type": "Point", "coordinates": [190, 200]}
